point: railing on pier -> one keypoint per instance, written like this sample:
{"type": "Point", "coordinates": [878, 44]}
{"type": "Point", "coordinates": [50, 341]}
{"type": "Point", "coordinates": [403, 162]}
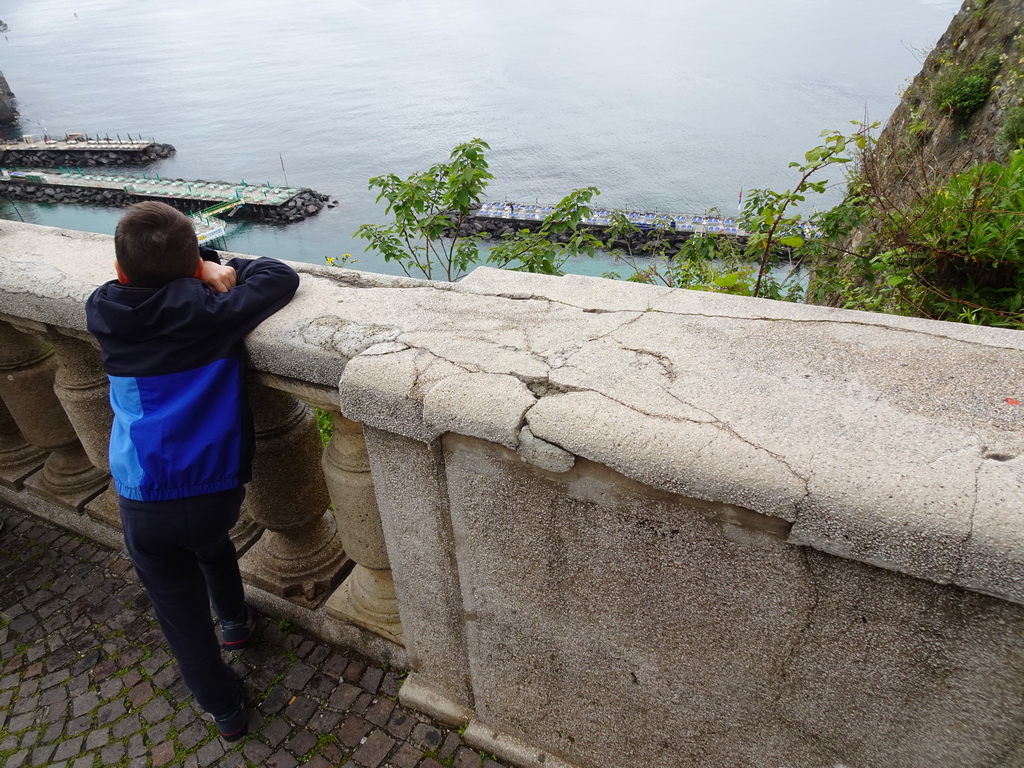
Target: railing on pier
{"type": "Point", "coordinates": [565, 502]}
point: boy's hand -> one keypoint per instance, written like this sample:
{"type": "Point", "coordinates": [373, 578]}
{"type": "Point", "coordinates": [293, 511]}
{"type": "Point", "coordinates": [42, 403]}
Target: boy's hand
{"type": "Point", "coordinates": [219, 277]}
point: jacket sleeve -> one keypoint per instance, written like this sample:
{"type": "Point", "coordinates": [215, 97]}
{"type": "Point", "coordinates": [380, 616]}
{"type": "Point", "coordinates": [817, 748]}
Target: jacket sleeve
{"type": "Point", "coordinates": [208, 254]}
{"type": "Point", "coordinates": [264, 286]}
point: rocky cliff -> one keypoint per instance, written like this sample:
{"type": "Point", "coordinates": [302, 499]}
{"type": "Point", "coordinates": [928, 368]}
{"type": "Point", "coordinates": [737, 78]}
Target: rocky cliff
{"type": "Point", "coordinates": [964, 109]}
{"type": "Point", "coordinates": [7, 111]}
{"type": "Point", "coordinates": [938, 129]}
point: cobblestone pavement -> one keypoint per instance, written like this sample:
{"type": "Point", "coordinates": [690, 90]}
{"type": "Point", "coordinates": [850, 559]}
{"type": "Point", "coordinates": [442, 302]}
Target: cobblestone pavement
{"type": "Point", "coordinates": [86, 680]}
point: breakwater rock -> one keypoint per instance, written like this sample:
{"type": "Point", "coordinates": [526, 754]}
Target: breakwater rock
{"type": "Point", "coordinates": [305, 203]}
{"type": "Point", "coordinates": [87, 156]}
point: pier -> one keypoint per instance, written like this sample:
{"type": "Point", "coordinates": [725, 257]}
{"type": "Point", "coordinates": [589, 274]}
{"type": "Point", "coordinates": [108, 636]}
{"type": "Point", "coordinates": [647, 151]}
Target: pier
{"type": "Point", "coordinates": [683, 223]}
{"type": "Point", "coordinates": [260, 202]}
{"type": "Point", "coordinates": [81, 149]}
{"type": "Point", "coordinates": [651, 229]}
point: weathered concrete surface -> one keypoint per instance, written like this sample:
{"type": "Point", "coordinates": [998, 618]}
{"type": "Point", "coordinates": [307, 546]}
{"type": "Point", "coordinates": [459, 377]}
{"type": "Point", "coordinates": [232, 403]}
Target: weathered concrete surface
{"type": "Point", "coordinates": [413, 503]}
{"type": "Point", "coordinates": [867, 431]}
{"type": "Point", "coordinates": [487, 405]}
{"type": "Point", "coordinates": [592, 601]}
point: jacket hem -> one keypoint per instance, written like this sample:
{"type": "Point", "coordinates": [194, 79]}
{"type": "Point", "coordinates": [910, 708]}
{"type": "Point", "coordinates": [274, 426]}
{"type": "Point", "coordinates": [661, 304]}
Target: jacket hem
{"type": "Point", "coordinates": [136, 493]}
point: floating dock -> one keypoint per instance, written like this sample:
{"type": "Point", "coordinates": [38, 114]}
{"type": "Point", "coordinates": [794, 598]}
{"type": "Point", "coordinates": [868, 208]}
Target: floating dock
{"type": "Point", "coordinates": [74, 141]}
{"type": "Point", "coordinates": [682, 223]}
{"type": "Point", "coordinates": [261, 202]}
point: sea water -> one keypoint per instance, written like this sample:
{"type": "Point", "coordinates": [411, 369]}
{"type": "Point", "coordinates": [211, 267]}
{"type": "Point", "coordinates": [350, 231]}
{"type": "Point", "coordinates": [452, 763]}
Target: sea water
{"type": "Point", "coordinates": [667, 105]}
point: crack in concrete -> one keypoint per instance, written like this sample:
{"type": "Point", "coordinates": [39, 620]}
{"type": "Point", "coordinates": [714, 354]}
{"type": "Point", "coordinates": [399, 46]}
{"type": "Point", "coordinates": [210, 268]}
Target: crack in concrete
{"type": "Point", "coordinates": [712, 316]}
{"type": "Point", "coordinates": [547, 387]}
{"type": "Point", "coordinates": [523, 424]}
{"type": "Point", "coordinates": [823, 321]}
{"type": "Point", "coordinates": [800, 506]}
{"type": "Point", "coordinates": [664, 361]}
{"type": "Point", "coordinates": [659, 416]}
{"type": "Point", "coordinates": [963, 544]}
{"type": "Point", "coordinates": [669, 369]}
{"type": "Point", "coordinates": [718, 423]}
{"type": "Point", "coordinates": [560, 358]}
{"type": "Point", "coordinates": [463, 367]}
{"type": "Point", "coordinates": [799, 640]}
{"type": "Point", "coordinates": [524, 297]}
{"type": "Point", "coordinates": [421, 368]}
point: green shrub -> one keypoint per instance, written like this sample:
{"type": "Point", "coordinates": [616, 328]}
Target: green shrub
{"type": "Point", "coordinates": [1012, 133]}
{"type": "Point", "coordinates": [324, 424]}
{"type": "Point", "coordinates": [960, 90]}
{"type": "Point", "coordinates": [429, 208]}
{"type": "Point", "coordinates": [954, 253]}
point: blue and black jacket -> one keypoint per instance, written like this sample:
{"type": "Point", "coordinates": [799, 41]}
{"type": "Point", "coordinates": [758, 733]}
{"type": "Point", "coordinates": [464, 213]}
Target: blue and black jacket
{"type": "Point", "coordinates": [177, 369]}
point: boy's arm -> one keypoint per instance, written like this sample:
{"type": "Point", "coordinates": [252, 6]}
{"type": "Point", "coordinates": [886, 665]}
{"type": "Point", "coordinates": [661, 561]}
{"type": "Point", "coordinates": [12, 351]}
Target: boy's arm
{"type": "Point", "coordinates": [262, 287]}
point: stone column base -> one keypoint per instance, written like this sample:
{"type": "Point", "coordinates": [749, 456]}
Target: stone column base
{"type": "Point", "coordinates": [104, 508]}
{"type": "Point", "coordinates": [367, 599]}
{"type": "Point", "coordinates": [87, 485]}
{"type": "Point", "coordinates": [18, 464]}
{"type": "Point", "coordinates": [298, 568]}
{"type": "Point", "coordinates": [246, 532]}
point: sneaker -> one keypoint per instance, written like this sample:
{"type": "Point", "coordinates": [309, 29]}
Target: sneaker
{"type": "Point", "coordinates": [235, 725]}
{"type": "Point", "coordinates": [238, 634]}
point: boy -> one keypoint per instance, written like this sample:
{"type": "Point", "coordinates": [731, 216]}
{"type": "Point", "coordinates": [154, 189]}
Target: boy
{"type": "Point", "coordinates": [170, 330]}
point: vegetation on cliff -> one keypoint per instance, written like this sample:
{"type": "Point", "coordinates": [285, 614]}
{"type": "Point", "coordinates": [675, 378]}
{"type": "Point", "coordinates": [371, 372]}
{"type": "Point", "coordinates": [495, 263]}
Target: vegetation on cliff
{"type": "Point", "coordinates": [933, 222]}
{"type": "Point", "coordinates": [952, 251]}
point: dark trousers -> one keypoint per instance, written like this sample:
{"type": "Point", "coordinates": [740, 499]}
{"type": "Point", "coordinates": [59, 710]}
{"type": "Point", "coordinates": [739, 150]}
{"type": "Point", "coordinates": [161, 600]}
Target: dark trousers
{"type": "Point", "coordinates": [185, 560]}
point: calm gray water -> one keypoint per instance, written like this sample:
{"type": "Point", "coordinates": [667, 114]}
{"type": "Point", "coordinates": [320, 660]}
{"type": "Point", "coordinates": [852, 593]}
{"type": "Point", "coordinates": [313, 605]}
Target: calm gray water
{"type": "Point", "coordinates": [671, 105]}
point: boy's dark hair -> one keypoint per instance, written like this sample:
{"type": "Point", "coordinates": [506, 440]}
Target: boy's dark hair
{"type": "Point", "coordinates": [155, 244]}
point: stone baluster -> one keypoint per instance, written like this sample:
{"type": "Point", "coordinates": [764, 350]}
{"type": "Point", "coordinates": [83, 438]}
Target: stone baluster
{"type": "Point", "coordinates": [18, 459]}
{"type": "Point", "coordinates": [367, 596]}
{"type": "Point", "coordinates": [300, 555]}
{"type": "Point", "coordinates": [84, 391]}
{"type": "Point", "coordinates": [27, 373]}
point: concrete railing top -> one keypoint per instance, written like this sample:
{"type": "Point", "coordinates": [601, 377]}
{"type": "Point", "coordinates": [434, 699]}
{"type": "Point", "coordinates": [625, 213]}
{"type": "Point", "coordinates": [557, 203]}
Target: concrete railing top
{"type": "Point", "coordinates": [883, 439]}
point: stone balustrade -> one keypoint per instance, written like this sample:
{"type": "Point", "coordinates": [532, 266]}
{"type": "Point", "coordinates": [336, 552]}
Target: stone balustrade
{"type": "Point", "coordinates": [795, 532]}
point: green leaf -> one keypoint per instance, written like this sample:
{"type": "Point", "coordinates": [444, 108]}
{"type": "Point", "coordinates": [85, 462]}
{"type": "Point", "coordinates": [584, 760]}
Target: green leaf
{"type": "Point", "coordinates": [727, 281]}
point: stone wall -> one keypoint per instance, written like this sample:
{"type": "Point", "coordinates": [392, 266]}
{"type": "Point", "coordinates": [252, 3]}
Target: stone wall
{"type": "Point", "coordinates": [793, 532]}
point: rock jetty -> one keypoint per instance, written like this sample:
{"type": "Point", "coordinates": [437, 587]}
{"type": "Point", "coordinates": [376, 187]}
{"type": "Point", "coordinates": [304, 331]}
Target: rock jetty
{"type": "Point", "coordinates": [305, 203]}
{"type": "Point", "coordinates": [639, 240]}
{"type": "Point", "coordinates": [86, 156]}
